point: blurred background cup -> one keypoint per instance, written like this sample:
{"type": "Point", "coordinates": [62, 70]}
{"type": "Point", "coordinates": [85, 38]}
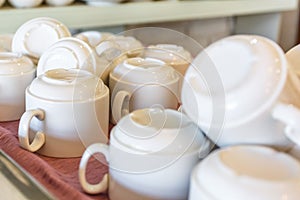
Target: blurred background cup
{"type": "Point", "coordinates": [93, 38]}
{"type": "Point", "coordinates": [140, 83]}
{"type": "Point", "coordinates": [173, 55]}
{"type": "Point", "coordinates": [25, 3]}
{"type": "Point", "coordinates": [246, 172]}
{"type": "Point", "coordinates": [129, 45]}
{"type": "Point", "coordinates": [253, 70]}
{"type": "Point", "coordinates": [59, 2]}
{"type": "Point", "coordinates": [66, 111]}
{"type": "Point", "coordinates": [16, 73]}
{"type": "Point", "coordinates": [108, 55]}
{"type": "Point", "coordinates": [150, 156]}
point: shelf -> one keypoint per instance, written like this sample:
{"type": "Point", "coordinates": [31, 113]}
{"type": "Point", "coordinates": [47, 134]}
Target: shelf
{"type": "Point", "coordinates": [84, 16]}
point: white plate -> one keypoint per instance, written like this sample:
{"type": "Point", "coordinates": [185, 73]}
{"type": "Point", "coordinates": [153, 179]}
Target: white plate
{"type": "Point", "coordinates": [36, 35]}
{"type": "Point", "coordinates": [68, 53]}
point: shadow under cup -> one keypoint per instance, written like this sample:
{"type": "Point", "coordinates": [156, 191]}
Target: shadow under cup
{"type": "Point", "coordinates": [69, 126]}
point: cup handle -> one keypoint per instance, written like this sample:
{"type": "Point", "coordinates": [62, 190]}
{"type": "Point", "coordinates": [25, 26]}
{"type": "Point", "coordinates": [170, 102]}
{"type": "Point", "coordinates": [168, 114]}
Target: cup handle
{"type": "Point", "coordinates": [290, 116]}
{"type": "Point", "coordinates": [120, 108]}
{"type": "Point", "coordinates": [24, 126]}
{"type": "Point", "coordinates": [90, 151]}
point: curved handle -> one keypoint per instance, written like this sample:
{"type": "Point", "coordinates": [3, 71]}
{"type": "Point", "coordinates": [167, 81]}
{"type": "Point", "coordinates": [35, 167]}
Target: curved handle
{"type": "Point", "coordinates": [103, 184]}
{"type": "Point", "coordinates": [290, 116]}
{"type": "Point", "coordinates": [24, 126]}
{"type": "Point", "coordinates": [120, 105]}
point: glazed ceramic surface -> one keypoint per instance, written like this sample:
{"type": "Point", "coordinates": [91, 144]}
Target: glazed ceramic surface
{"type": "Point", "coordinates": [147, 148]}
{"type": "Point", "coordinates": [66, 111]}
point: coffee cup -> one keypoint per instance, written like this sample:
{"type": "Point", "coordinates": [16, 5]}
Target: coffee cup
{"type": "Point", "coordinates": [138, 83]}
{"type": "Point", "coordinates": [151, 154]}
{"type": "Point", "coordinates": [173, 55]}
{"type": "Point", "coordinates": [66, 111]}
{"type": "Point", "coordinates": [232, 91]}
{"type": "Point", "coordinates": [68, 53]}
{"type": "Point", "coordinates": [93, 38]}
{"type": "Point", "coordinates": [246, 172]}
{"type": "Point", "coordinates": [59, 2]}
{"type": "Point", "coordinates": [129, 45]}
{"type": "Point", "coordinates": [16, 73]}
{"type": "Point", "coordinates": [108, 56]}
{"type": "Point", "coordinates": [25, 4]}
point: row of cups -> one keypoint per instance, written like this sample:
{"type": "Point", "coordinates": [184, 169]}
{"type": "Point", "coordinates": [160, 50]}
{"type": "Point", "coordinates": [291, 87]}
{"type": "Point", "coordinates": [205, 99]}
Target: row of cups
{"type": "Point", "coordinates": [240, 91]}
{"type": "Point", "coordinates": [71, 81]}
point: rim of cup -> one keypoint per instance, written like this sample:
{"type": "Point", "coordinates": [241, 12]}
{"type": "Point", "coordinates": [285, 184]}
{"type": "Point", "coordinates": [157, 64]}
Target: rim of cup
{"type": "Point", "coordinates": [67, 82]}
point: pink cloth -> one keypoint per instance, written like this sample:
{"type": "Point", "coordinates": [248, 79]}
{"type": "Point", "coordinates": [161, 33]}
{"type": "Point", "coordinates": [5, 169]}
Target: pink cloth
{"type": "Point", "coordinates": [59, 176]}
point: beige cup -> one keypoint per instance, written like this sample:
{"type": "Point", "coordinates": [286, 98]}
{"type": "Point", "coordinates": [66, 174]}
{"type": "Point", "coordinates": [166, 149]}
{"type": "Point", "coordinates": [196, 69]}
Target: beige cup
{"type": "Point", "coordinates": [16, 73]}
{"type": "Point", "coordinates": [173, 55]}
{"type": "Point", "coordinates": [66, 111]}
{"type": "Point", "coordinates": [140, 83]}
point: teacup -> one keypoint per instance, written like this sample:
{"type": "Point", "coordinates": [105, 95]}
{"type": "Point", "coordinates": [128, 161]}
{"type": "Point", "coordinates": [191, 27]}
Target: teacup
{"type": "Point", "coordinates": [246, 172]}
{"type": "Point", "coordinates": [93, 38]}
{"type": "Point", "coordinates": [35, 36]}
{"type": "Point", "coordinates": [151, 155]}
{"type": "Point", "coordinates": [232, 91]}
{"type": "Point", "coordinates": [173, 55]}
{"type": "Point", "coordinates": [66, 111]}
{"type": "Point", "coordinates": [25, 3]}
{"type": "Point", "coordinates": [59, 2]}
{"type": "Point", "coordinates": [138, 83]}
{"type": "Point", "coordinates": [16, 73]}
{"type": "Point", "coordinates": [128, 44]}
{"type": "Point", "coordinates": [68, 53]}
{"type": "Point", "coordinates": [108, 56]}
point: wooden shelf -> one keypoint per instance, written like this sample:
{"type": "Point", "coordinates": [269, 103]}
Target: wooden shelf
{"type": "Point", "coordinates": [83, 16]}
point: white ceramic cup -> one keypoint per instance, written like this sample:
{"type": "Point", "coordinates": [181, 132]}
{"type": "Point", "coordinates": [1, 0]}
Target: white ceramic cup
{"type": "Point", "coordinates": [93, 38]}
{"type": "Point", "coordinates": [16, 73]}
{"type": "Point", "coordinates": [246, 172]}
{"type": "Point", "coordinates": [173, 55]}
{"type": "Point", "coordinates": [59, 2]}
{"type": "Point", "coordinates": [108, 56]}
{"type": "Point", "coordinates": [142, 83]}
{"type": "Point", "coordinates": [129, 45]}
{"type": "Point", "coordinates": [25, 3]}
{"type": "Point", "coordinates": [68, 53]}
{"type": "Point", "coordinates": [252, 70]}
{"type": "Point", "coordinates": [151, 155]}
{"type": "Point", "coordinates": [66, 111]}
{"type": "Point", "coordinates": [35, 36]}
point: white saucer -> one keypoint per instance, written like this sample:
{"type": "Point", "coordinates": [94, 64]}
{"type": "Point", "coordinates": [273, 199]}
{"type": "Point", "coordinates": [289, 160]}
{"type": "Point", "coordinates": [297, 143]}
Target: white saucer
{"type": "Point", "coordinates": [36, 35]}
{"type": "Point", "coordinates": [68, 53]}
